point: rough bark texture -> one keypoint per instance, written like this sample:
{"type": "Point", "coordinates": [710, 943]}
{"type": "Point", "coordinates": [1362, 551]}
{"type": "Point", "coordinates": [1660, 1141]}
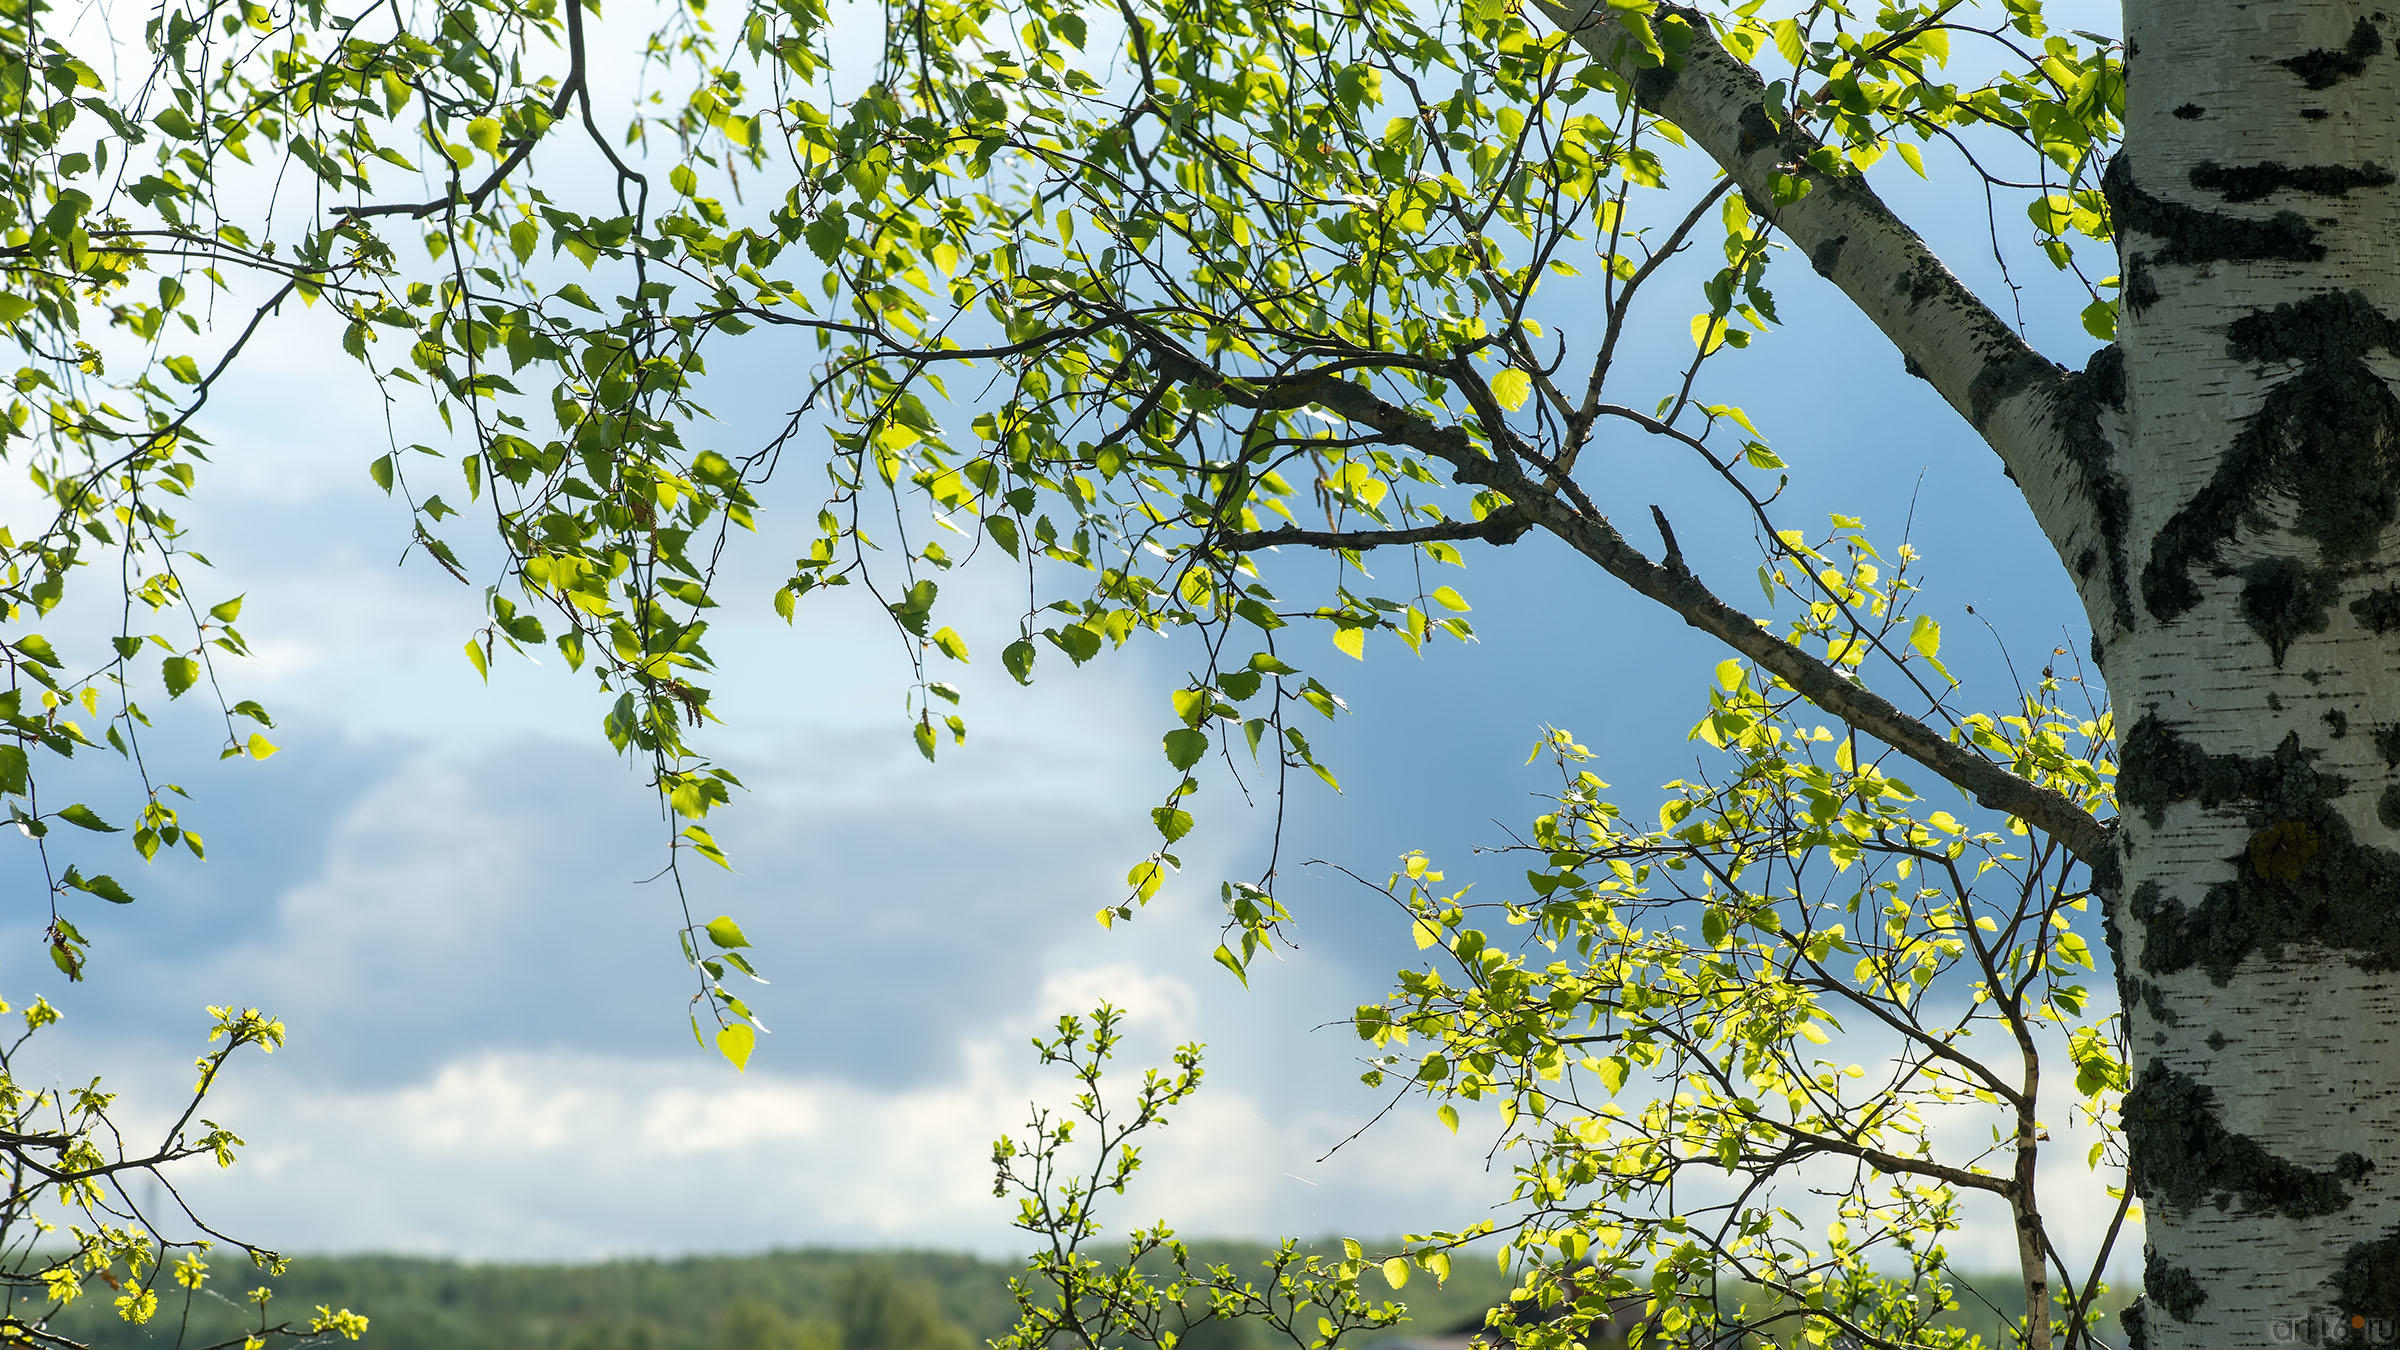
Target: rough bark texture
{"type": "Point", "coordinates": [2256, 683]}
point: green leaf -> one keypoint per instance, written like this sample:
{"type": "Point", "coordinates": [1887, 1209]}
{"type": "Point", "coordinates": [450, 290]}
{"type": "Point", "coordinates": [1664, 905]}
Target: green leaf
{"type": "Point", "coordinates": [1612, 1073]}
{"type": "Point", "coordinates": [1708, 332]}
{"type": "Point", "coordinates": [1395, 1268]}
{"type": "Point", "coordinates": [1185, 746]}
{"type": "Point", "coordinates": [1172, 824]}
{"type": "Point", "coordinates": [380, 469]}
{"type": "Point", "coordinates": [1925, 635]}
{"type": "Point", "coordinates": [1017, 659]}
{"type": "Point", "coordinates": [735, 1042]}
{"type": "Point", "coordinates": [1512, 387]}
{"type": "Point", "coordinates": [16, 773]}
{"type": "Point", "coordinates": [105, 887]}
{"type": "Point", "coordinates": [1080, 644]}
{"type": "Point", "coordinates": [1225, 957]}
{"type": "Point", "coordinates": [227, 612]}
{"type": "Point", "coordinates": [1450, 599]}
{"type": "Point", "coordinates": [951, 644]}
{"type": "Point", "coordinates": [181, 672]}
{"type": "Point", "coordinates": [259, 746]}
{"type": "Point", "coordinates": [84, 816]}
{"type": "Point", "coordinates": [1787, 41]}
{"type": "Point", "coordinates": [2100, 320]}
{"type": "Point", "coordinates": [826, 234]}
{"type": "Point", "coordinates": [724, 932]}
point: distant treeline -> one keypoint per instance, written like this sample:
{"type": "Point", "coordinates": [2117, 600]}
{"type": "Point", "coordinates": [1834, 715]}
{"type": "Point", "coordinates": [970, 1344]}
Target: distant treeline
{"type": "Point", "coordinates": [796, 1300]}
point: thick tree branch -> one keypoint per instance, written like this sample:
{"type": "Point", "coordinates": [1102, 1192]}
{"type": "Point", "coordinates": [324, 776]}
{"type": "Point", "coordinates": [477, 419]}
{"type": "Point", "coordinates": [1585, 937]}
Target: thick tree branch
{"type": "Point", "coordinates": [1677, 588]}
{"type": "Point", "coordinates": [2042, 421]}
{"type": "Point", "coordinates": [1504, 526]}
{"type": "Point", "coordinates": [1804, 1142]}
{"type": "Point", "coordinates": [2045, 809]}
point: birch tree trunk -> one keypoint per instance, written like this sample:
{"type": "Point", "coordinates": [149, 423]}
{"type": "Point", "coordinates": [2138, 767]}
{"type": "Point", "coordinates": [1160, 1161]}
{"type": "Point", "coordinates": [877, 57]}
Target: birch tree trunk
{"type": "Point", "coordinates": [2256, 687]}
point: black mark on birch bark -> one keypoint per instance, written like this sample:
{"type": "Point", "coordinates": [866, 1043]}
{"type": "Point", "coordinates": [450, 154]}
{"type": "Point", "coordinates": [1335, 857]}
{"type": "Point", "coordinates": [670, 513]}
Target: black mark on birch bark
{"type": "Point", "coordinates": [2324, 67]}
{"type": "Point", "coordinates": [2191, 235]}
{"type": "Point", "coordinates": [2172, 1288]}
{"type": "Point", "coordinates": [2284, 600]}
{"type": "Point", "coordinates": [2367, 1286]}
{"type": "Point", "coordinates": [2326, 439]}
{"type": "Point", "coordinates": [2387, 743]}
{"type": "Point", "coordinates": [2257, 182]}
{"type": "Point", "coordinates": [2156, 767]}
{"type": "Point", "coordinates": [2378, 611]}
{"type": "Point", "coordinates": [2190, 111]}
{"type": "Point", "coordinates": [1653, 85]}
{"type": "Point", "coordinates": [2180, 1154]}
{"type": "Point", "coordinates": [2099, 387]}
{"type": "Point", "coordinates": [2154, 999]}
{"type": "Point", "coordinates": [2301, 877]}
{"type": "Point", "coordinates": [1755, 132]}
{"type": "Point", "coordinates": [2141, 285]}
{"type": "Point", "coordinates": [2003, 378]}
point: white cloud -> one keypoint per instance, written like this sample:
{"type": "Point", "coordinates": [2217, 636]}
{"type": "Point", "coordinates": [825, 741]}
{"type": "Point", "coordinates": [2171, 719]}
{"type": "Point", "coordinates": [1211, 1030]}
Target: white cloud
{"type": "Point", "coordinates": [488, 1057]}
{"type": "Point", "coordinates": [1158, 1003]}
{"type": "Point", "coordinates": [524, 1155]}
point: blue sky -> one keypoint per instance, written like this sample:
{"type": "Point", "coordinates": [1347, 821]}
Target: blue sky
{"type": "Point", "coordinates": [436, 883]}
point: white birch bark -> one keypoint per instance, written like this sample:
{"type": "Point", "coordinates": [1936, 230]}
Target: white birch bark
{"type": "Point", "coordinates": [2257, 216]}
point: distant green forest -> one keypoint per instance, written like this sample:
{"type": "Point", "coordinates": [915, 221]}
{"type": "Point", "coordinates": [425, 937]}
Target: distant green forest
{"type": "Point", "coordinates": [795, 1300]}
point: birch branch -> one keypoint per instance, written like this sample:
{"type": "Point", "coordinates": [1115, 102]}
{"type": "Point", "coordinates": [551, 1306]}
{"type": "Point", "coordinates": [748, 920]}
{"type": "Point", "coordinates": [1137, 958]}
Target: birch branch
{"type": "Point", "coordinates": [2045, 423]}
{"type": "Point", "coordinates": [1672, 586]}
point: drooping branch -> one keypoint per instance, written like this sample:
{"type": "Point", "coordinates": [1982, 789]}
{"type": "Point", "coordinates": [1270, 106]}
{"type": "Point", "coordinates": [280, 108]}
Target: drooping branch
{"type": "Point", "coordinates": [2040, 419]}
